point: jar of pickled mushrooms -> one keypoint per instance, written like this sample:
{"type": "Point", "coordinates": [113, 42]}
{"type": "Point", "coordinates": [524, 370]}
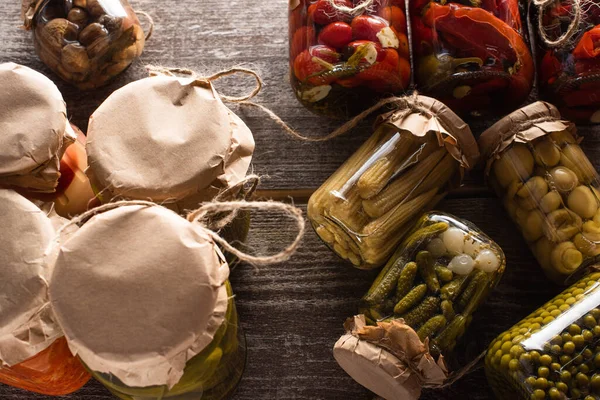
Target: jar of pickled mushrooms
{"type": "Point", "coordinates": [420, 306]}
{"type": "Point", "coordinates": [33, 352]}
{"type": "Point", "coordinates": [144, 300]}
{"type": "Point", "coordinates": [40, 152]}
{"type": "Point", "coordinates": [85, 42]}
{"type": "Point", "coordinates": [416, 154]}
{"type": "Point", "coordinates": [553, 353]}
{"type": "Point", "coordinates": [547, 185]}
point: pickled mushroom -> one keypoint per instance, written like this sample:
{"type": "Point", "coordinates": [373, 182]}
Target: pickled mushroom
{"type": "Point", "coordinates": [532, 192]}
{"type": "Point", "coordinates": [550, 202]}
{"type": "Point", "coordinates": [561, 225]}
{"type": "Point", "coordinates": [515, 164]}
{"type": "Point", "coordinates": [563, 179]}
{"type": "Point", "coordinates": [566, 258]}
{"type": "Point", "coordinates": [546, 153]}
{"type": "Point", "coordinates": [588, 247]}
{"type": "Point", "coordinates": [534, 226]}
{"type": "Point", "coordinates": [574, 158]}
{"type": "Point", "coordinates": [583, 202]}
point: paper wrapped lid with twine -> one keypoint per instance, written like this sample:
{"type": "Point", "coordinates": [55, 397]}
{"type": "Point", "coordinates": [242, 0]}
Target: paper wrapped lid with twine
{"type": "Point", "coordinates": [522, 126]}
{"type": "Point", "coordinates": [388, 359]}
{"type": "Point", "coordinates": [169, 139]}
{"type": "Point", "coordinates": [27, 325]}
{"type": "Point", "coordinates": [34, 131]}
{"type": "Point", "coordinates": [139, 291]}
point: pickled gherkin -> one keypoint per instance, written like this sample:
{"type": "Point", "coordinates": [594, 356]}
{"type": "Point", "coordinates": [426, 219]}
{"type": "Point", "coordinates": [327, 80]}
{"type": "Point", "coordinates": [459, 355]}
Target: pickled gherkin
{"type": "Point", "coordinates": [416, 155]}
{"type": "Point", "coordinates": [548, 187]}
{"type": "Point", "coordinates": [553, 353]}
{"type": "Point", "coordinates": [419, 307]}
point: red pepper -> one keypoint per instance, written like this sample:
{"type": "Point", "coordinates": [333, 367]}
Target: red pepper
{"type": "Point", "coordinates": [550, 68]}
{"type": "Point", "coordinates": [589, 45]}
{"type": "Point", "coordinates": [582, 98]}
{"type": "Point", "coordinates": [423, 36]}
{"type": "Point", "coordinates": [477, 32]}
{"type": "Point", "coordinates": [391, 74]}
{"type": "Point", "coordinates": [506, 10]}
{"type": "Point", "coordinates": [395, 16]}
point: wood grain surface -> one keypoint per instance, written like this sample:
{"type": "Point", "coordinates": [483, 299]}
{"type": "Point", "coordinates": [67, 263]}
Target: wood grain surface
{"type": "Point", "coordinates": [293, 313]}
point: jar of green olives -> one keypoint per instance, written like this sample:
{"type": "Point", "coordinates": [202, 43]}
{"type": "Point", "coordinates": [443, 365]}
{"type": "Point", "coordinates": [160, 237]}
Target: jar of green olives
{"type": "Point", "coordinates": [426, 294]}
{"type": "Point", "coordinates": [548, 187]}
{"type": "Point", "coordinates": [553, 353]}
{"type": "Point", "coordinates": [143, 297]}
{"type": "Point", "coordinates": [416, 154]}
{"type": "Point", "coordinates": [85, 42]}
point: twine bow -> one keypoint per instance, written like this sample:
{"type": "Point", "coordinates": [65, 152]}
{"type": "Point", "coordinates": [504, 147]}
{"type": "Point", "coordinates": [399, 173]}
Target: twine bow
{"type": "Point", "coordinates": [571, 30]}
{"type": "Point", "coordinates": [352, 11]}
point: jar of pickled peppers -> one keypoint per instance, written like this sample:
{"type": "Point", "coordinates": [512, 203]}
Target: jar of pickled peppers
{"type": "Point", "coordinates": [85, 42]}
{"type": "Point", "coordinates": [416, 154]}
{"type": "Point", "coordinates": [471, 55]}
{"type": "Point", "coordinates": [554, 352]}
{"type": "Point", "coordinates": [143, 297]}
{"type": "Point", "coordinates": [567, 35]}
{"type": "Point", "coordinates": [426, 293]}
{"type": "Point", "coordinates": [347, 54]}
{"type": "Point", "coordinates": [34, 355]}
{"type": "Point", "coordinates": [548, 187]}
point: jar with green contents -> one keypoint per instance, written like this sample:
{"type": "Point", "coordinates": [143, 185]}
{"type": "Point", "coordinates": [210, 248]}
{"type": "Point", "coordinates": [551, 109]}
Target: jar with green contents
{"type": "Point", "coordinates": [554, 353]}
{"type": "Point", "coordinates": [423, 299]}
{"type": "Point", "coordinates": [143, 297]}
{"type": "Point", "coordinates": [548, 186]}
{"type": "Point", "coordinates": [417, 153]}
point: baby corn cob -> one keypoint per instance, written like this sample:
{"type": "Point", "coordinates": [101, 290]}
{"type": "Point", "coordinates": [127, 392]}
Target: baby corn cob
{"type": "Point", "coordinates": [421, 177]}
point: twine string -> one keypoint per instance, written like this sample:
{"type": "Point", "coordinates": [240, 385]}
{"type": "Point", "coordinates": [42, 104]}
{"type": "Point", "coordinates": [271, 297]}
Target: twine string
{"type": "Point", "coordinates": [150, 22]}
{"type": "Point", "coordinates": [571, 30]}
{"type": "Point", "coordinates": [352, 11]}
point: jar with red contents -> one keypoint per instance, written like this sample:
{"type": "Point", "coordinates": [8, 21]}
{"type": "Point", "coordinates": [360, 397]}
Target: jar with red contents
{"type": "Point", "coordinates": [568, 50]}
{"type": "Point", "coordinates": [471, 55]}
{"type": "Point", "coordinates": [345, 55]}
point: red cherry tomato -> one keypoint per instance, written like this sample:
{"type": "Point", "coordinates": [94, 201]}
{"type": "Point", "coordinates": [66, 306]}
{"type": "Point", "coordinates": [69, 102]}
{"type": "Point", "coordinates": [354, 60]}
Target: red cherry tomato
{"type": "Point", "coordinates": [403, 50]}
{"type": "Point", "coordinates": [336, 35]}
{"type": "Point", "coordinates": [307, 68]}
{"type": "Point", "coordinates": [301, 40]}
{"type": "Point", "coordinates": [395, 16]}
{"type": "Point", "coordinates": [323, 13]}
{"type": "Point", "coordinates": [366, 27]}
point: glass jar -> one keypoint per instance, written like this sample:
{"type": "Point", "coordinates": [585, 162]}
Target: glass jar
{"type": "Point", "coordinates": [548, 187]}
{"type": "Point", "coordinates": [419, 307]}
{"type": "Point", "coordinates": [472, 57]}
{"type": "Point", "coordinates": [345, 55]}
{"type": "Point", "coordinates": [213, 374]}
{"type": "Point", "coordinates": [53, 372]}
{"type": "Point", "coordinates": [552, 353]}
{"type": "Point", "coordinates": [569, 57]}
{"type": "Point", "coordinates": [413, 158]}
{"type": "Point", "coordinates": [87, 42]}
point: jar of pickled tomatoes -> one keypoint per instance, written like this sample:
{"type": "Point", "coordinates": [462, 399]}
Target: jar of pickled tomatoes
{"type": "Point", "coordinates": [345, 54]}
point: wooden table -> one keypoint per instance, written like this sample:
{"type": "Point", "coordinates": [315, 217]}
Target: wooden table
{"type": "Point", "coordinates": [292, 313]}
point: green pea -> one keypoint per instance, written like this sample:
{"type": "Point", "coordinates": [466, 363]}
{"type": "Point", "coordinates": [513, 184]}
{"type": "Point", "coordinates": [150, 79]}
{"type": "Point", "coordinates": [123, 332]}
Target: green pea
{"type": "Point", "coordinates": [543, 372]}
{"type": "Point", "coordinates": [574, 329]}
{"type": "Point", "coordinates": [565, 359]}
{"type": "Point", "coordinates": [561, 386]}
{"type": "Point", "coordinates": [578, 359]}
{"type": "Point", "coordinates": [546, 360]}
{"type": "Point", "coordinates": [584, 369]}
{"type": "Point", "coordinates": [587, 354]}
{"type": "Point", "coordinates": [565, 376]}
{"type": "Point", "coordinates": [566, 337]}
{"type": "Point", "coordinates": [555, 394]}
{"type": "Point", "coordinates": [597, 361]}
{"type": "Point", "coordinates": [595, 382]}
{"type": "Point", "coordinates": [589, 321]}
{"type": "Point", "coordinates": [588, 336]}
{"type": "Point", "coordinates": [555, 367]}
{"type": "Point", "coordinates": [582, 379]}
{"type": "Point", "coordinates": [595, 313]}
{"type": "Point", "coordinates": [569, 348]}
{"type": "Point", "coordinates": [556, 349]}
{"type": "Point", "coordinates": [535, 356]}
{"type": "Point", "coordinates": [596, 330]}
{"type": "Point", "coordinates": [513, 364]}
{"type": "Point", "coordinates": [525, 358]}
{"type": "Point", "coordinates": [516, 351]}
{"type": "Point", "coordinates": [579, 341]}
{"type": "Point", "coordinates": [530, 381]}
{"type": "Point", "coordinates": [588, 397]}
{"type": "Point", "coordinates": [575, 393]}
{"type": "Point", "coordinates": [556, 340]}
{"type": "Point", "coordinates": [538, 394]}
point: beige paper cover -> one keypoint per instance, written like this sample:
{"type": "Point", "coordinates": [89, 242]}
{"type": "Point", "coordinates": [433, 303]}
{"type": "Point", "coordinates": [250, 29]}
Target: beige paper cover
{"type": "Point", "coordinates": [421, 115]}
{"type": "Point", "coordinates": [522, 126]}
{"type": "Point", "coordinates": [388, 359]}
{"type": "Point", "coordinates": [27, 325]}
{"type": "Point", "coordinates": [171, 140]}
{"type": "Point", "coordinates": [139, 291]}
{"type": "Point", "coordinates": [34, 131]}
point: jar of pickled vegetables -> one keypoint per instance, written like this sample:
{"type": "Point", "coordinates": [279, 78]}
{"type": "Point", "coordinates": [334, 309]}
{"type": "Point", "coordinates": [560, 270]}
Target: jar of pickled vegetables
{"type": "Point", "coordinates": [548, 187]}
{"type": "Point", "coordinates": [568, 52]}
{"type": "Point", "coordinates": [416, 154]}
{"type": "Point", "coordinates": [553, 353]}
{"type": "Point", "coordinates": [471, 55]}
{"type": "Point", "coordinates": [34, 355]}
{"type": "Point", "coordinates": [345, 55]}
{"type": "Point", "coordinates": [143, 298]}
{"type": "Point", "coordinates": [419, 307]}
{"type": "Point", "coordinates": [85, 42]}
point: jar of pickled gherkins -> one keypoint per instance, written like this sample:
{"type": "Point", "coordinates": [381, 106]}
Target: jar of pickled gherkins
{"type": "Point", "coordinates": [567, 35]}
{"type": "Point", "coordinates": [85, 42]}
{"type": "Point", "coordinates": [419, 307]}
{"type": "Point", "coordinates": [548, 187]}
{"type": "Point", "coordinates": [33, 354]}
{"type": "Point", "coordinates": [345, 55]}
{"type": "Point", "coordinates": [143, 297]}
{"type": "Point", "coordinates": [471, 55]}
{"type": "Point", "coordinates": [416, 154]}
{"type": "Point", "coordinates": [554, 352]}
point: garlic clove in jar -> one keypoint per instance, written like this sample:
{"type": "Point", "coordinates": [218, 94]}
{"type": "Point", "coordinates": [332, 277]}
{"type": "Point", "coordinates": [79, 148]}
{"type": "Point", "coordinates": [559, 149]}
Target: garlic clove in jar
{"type": "Point", "coordinates": [454, 240]}
{"type": "Point", "coordinates": [487, 261]}
{"type": "Point", "coordinates": [462, 264]}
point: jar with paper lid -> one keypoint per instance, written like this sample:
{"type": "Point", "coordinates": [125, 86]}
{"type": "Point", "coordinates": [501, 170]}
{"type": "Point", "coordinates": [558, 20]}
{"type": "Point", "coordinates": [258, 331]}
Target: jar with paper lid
{"type": "Point", "coordinates": [547, 185]}
{"type": "Point", "coordinates": [473, 56]}
{"type": "Point", "coordinates": [41, 153]}
{"type": "Point", "coordinates": [419, 307]}
{"type": "Point", "coordinates": [552, 353]}
{"type": "Point", "coordinates": [85, 42]}
{"type": "Point", "coordinates": [568, 56]}
{"type": "Point", "coordinates": [34, 353]}
{"type": "Point", "coordinates": [144, 331]}
{"type": "Point", "coordinates": [345, 55]}
{"type": "Point", "coordinates": [416, 154]}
